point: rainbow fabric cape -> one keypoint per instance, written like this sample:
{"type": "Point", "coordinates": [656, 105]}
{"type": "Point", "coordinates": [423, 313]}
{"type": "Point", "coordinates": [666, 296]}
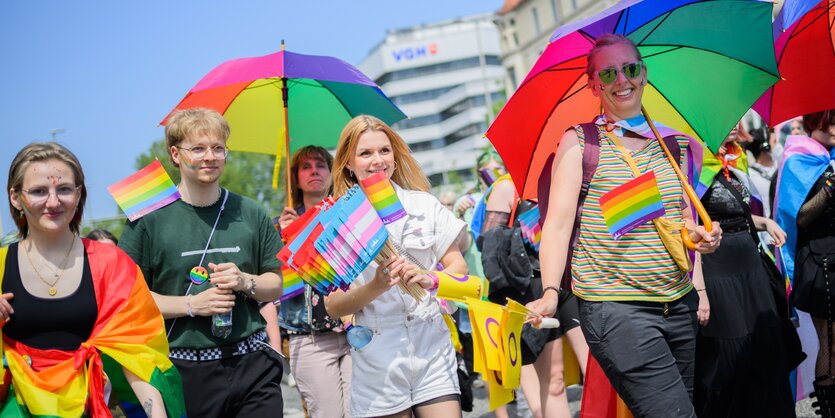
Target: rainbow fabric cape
{"type": "Point", "coordinates": [631, 204]}
{"type": "Point", "coordinates": [128, 333]}
{"type": "Point", "coordinates": [144, 191]}
{"type": "Point", "coordinates": [804, 161]}
{"type": "Point", "coordinates": [383, 197]}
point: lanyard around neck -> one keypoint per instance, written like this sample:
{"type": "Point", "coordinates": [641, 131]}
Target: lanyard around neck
{"type": "Point", "coordinates": [205, 251]}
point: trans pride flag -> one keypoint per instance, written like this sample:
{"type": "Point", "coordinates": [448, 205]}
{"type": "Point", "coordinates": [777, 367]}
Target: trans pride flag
{"type": "Point", "coordinates": [128, 332]}
{"type": "Point", "coordinates": [804, 161]}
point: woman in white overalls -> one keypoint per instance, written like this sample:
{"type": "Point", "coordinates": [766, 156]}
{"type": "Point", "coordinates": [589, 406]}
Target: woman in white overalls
{"type": "Point", "coordinates": [408, 365]}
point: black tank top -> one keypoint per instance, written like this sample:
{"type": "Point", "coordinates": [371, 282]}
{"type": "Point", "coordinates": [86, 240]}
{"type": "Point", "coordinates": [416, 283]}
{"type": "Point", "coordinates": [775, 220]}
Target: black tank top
{"type": "Point", "coordinates": [55, 323]}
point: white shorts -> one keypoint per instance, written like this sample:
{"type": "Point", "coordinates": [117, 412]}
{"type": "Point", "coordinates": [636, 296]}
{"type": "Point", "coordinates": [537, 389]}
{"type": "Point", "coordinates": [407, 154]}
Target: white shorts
{"type": "Point", "coordinates": [410, 360]}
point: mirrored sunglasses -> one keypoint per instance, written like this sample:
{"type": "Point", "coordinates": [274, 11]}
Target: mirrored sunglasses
{"type": "Point", "coordinates": [631, 71]}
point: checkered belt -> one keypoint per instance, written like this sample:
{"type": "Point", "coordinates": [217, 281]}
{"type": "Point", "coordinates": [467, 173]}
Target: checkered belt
{"type": "Point", "coordinates": [254, 342]}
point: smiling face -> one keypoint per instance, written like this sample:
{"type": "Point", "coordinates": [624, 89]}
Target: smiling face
{"type": "Point", "coordinates": [196, 160]}
{"type": "Point", "coordinates": [48, 196]}
{"type": "Point", "coordinates": [373, 154]}
{"type": "Point", "coordinates": [622, 98]}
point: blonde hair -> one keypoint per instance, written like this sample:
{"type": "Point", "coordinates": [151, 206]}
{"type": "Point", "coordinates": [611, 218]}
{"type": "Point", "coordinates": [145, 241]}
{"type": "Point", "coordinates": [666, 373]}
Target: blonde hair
{"type": "Point", "coordinates": [407, 173]}
{"type": "Point", "coordinates": [184, 123]}
{"type": "Point", "coordinates": [43, 151]}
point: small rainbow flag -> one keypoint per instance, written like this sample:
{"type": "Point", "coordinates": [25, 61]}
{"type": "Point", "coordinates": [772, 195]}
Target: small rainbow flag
{"type": "Point", "coordinates": [383, 197]}
{"type": "Point", "coordinates": [293, 284]}
{"type": "Point", "coordinates": [632, 204]}
{"type": "Point", "coordinates": [144, 191]}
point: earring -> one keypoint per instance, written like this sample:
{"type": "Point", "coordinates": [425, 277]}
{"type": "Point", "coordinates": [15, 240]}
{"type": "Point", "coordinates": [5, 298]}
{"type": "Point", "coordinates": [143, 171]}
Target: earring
{"type": "Point", "coordinates": [395, 166]}
{"type": "Point", "coordinates": [351, 172]}
{"type": "Point", "coordinates": [21, 214]}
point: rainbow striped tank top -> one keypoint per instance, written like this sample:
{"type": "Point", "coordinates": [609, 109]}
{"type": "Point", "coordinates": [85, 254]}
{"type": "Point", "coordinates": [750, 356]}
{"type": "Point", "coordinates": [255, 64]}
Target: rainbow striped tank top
{"type": "Point", "coordinates": [637, 266]}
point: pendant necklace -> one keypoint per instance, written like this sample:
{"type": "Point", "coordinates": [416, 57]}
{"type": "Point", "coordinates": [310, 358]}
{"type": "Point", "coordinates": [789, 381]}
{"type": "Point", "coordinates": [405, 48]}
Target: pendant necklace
{"type": "Point", "coordinates": [58, 274]}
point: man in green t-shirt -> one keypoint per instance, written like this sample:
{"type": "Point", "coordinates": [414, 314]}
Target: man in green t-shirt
{"type": "Point", "coordinates": [230, 371]}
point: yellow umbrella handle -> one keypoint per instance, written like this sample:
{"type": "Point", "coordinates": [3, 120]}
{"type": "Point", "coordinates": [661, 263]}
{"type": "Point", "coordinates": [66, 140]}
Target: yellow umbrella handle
{"type": "Point", "coordinates": [694, 199]}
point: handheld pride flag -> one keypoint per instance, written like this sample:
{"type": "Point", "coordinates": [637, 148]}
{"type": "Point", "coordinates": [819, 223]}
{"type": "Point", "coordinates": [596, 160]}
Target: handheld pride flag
{"type": "Point", "coordinates": [632, 204]}
{"type": "Point", "coordinates": [383, 197]}
{"type": "Point", "coordinates": [144, 191]}
{"type": "Point", "coordinates": [459, 288]}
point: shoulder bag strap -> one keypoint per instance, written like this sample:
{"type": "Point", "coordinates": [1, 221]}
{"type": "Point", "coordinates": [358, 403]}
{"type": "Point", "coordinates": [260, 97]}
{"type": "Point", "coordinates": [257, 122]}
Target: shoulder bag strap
{"type": "Point", "coordinates": [591, 158]}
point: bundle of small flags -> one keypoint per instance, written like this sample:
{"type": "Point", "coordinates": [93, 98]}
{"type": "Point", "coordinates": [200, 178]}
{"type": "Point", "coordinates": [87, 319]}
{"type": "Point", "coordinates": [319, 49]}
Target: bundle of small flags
{"type": "Point", "coordinates": [529, 225]}
{"type": "Point", "coordinates": [293, 283]}
{"type": "Point", "coordinates": [330, 245]}
{"type": "Point", "coordinates": [144, 191]}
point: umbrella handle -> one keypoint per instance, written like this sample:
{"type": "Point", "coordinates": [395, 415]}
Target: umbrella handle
{"type": "Point", "coordinates": [694, 199]}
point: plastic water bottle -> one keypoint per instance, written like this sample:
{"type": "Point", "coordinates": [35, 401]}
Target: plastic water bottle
{"type": "Point", "coordinates": [358, 336]}
{"type": "Point", "coordinates": [222, 324]}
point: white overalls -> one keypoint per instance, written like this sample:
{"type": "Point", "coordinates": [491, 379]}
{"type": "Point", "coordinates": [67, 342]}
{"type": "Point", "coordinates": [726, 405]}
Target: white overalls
{"type": "Point", "coordinates": [410, 359]}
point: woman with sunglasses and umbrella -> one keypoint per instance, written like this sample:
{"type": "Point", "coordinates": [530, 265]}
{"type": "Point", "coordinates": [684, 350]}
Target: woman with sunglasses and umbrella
{"type": "Point", "coordinates": [637, 306]}
{"type": "Point", "coordinates": [74, 309]}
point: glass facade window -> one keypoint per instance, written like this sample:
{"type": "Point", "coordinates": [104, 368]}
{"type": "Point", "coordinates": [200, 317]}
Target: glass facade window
{"type": "Point", "coordinates": [555, 11]}
{"type": "Point", "coordinates": [421, 96]}
{"type": "Point", "coordinates": [434, 69]}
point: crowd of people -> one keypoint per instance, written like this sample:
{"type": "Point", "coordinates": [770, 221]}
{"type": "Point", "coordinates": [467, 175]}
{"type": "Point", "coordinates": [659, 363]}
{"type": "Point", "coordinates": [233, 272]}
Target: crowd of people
{"type": "Point", "coordinates": [91, 321]}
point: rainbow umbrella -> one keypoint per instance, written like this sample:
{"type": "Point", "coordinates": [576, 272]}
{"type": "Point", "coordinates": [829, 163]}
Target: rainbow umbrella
{"type": "Point", "coordinates": [263, 98]}
{"type": "Point", "coordinates": [707, 62]}
{"type": "Point", "coordinates": [806, 59]}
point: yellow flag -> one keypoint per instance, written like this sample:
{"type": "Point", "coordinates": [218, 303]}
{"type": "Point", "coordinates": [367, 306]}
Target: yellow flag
{"type": "Point", "coordinates": [498, 393]}
{"type": "Point", "coordinates": [457, 288]}
{"type": "Point", "coordinates": [571, 366]}
{"type": "Point", "coordinates": [511, 329]}
{"type": "Point", "coordinates": [488, 317]}
{"type": "Point", "coordinates": [478, 350]}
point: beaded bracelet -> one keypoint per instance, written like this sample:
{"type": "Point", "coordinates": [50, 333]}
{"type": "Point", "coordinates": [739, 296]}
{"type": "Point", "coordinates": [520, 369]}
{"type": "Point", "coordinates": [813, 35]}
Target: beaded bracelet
{"type": "Point", "coordinates": [188, 306]}
{"type": "Point", "coordinates": [252, 288]}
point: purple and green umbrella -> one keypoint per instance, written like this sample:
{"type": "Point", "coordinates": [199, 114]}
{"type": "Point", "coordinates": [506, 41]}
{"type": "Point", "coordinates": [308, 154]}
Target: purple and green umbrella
{"type": "Point", "coordinates": [278, 103]}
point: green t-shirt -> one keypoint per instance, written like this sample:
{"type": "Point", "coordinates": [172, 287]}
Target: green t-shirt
{"type": "Point", "coordinates": [169, 242]}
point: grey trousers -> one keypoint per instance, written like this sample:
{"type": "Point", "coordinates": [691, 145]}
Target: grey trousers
{"type": "Point", "coordinates": [647, 350]}
{"type": "Point", "coordinates": [321, 364]}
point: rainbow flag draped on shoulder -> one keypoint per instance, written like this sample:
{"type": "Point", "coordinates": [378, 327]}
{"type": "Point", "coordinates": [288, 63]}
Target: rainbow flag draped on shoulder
{"type": "Point", "coordinates": [804, 161]}
{"type": "Point", "coordinates": [128, 333]}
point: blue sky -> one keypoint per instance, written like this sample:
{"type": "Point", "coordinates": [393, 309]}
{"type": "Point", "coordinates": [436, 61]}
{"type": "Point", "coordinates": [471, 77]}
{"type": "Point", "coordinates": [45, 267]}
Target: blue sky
{"type": "Point", "coordinates": [108, 71]}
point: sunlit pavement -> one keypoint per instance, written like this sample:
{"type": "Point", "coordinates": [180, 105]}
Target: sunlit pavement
{"type": "Point", "coordinates": [293, 408]}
